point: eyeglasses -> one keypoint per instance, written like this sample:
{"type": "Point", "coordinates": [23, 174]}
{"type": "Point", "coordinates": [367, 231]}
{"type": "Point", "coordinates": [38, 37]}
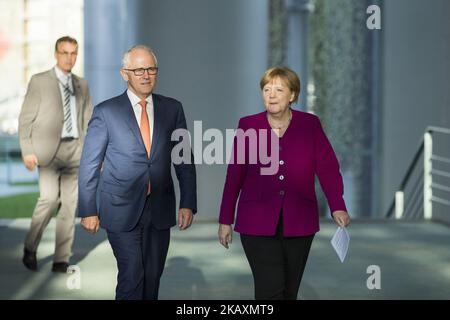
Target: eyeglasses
{"type": "Point", "coordinates": [141, 71]}
{"type": "Point", "coordinates": [68, 54]}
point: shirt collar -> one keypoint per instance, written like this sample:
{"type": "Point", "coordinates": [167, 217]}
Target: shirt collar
{"type": "Point", "coordinates": [62, 76]}
{"type": "Point", "coordinates": [134, 99]}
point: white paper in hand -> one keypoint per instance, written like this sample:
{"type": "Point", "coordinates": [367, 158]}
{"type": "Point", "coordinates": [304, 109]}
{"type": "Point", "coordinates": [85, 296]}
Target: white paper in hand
{"type": "Point", "coordinates": [340, 242]}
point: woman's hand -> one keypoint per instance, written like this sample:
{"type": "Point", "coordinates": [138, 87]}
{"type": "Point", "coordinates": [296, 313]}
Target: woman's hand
{"type": "Point", "coordinates": [341, 218]}
{"type": "Point", "coordinates": [225, 234]}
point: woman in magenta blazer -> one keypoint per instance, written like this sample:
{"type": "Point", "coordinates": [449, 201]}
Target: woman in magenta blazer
{"type": "Point", "coordinates": [277, 213]}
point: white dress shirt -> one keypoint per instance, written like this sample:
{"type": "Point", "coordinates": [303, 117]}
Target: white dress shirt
{"type": "Point", "coordinates": [63, 81]}
{"type": "Point", "coordinates": [134, 99]}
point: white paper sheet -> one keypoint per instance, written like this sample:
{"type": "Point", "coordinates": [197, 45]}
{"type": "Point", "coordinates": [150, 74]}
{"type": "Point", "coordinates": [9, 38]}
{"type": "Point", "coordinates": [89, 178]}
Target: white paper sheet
{"type": "Point", "coordinates": [340, 242]}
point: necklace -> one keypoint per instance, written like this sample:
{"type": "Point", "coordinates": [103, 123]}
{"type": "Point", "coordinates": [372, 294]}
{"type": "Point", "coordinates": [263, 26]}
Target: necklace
{"type": "Point", "coordinates": [283, 126]}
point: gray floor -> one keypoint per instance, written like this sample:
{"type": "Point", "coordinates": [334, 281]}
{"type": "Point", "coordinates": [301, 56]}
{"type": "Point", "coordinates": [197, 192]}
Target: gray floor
{"type": "Point", "coordinates": [414, 260]}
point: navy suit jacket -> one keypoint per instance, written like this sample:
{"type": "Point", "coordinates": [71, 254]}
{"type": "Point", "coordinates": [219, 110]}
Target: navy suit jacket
{"type": "Point", "coordinates": [114, 150]}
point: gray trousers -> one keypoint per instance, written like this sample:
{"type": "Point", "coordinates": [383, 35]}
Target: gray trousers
{"type": "Point", "coordinates": [58, 187]}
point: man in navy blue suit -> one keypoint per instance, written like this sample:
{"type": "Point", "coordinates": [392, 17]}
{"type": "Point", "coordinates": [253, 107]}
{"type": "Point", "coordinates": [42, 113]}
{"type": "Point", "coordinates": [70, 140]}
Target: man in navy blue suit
{"type": "Point", "coordinates": [128, 144]}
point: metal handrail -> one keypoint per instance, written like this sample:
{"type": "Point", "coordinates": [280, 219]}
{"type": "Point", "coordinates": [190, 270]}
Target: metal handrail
{"type": "Point", "coordinates": [437, 129]}
{"type": "Point", "coordinates": [407, 176]}
{"type": "Point", "coordinates": [425, 147]}
{"type": "Point", "coordinates": [9, 147]}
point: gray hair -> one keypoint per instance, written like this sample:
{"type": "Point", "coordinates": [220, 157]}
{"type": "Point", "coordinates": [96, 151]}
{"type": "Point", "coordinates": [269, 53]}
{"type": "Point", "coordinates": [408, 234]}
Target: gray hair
{"type": "Point", "coordinates": [126, 56]}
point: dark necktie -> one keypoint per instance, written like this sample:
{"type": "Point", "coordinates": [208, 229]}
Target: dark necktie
{"type": "Point", "coordinates": [67, 111]}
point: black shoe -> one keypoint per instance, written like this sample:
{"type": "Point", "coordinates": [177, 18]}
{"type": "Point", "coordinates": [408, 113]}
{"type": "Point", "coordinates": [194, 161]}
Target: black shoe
{"type": "Point", "coordinates": [29, 259]}
{"type": "Point", "coordinates": [60, 267]}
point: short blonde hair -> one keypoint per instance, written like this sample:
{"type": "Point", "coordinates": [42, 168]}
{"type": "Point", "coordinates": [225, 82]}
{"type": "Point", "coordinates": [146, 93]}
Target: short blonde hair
{"type": "Point", "coordinates": [286, 75]}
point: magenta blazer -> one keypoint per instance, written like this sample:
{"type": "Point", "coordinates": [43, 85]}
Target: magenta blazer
{"type": "Point", "coordinates": [304, 151]}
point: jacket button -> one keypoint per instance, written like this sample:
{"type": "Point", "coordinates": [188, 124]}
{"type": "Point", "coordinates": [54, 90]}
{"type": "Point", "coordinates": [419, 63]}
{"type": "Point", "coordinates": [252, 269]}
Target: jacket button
{"type": "Point", "coordinates": [281, 192]}
{"type": "Point", "coordinates": [281, 162]}
{"type": "Point", "coordinates": [281, 177]}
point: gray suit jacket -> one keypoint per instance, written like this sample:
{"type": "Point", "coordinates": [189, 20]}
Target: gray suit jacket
{"type": "Point", "coordinates": [41, 118]}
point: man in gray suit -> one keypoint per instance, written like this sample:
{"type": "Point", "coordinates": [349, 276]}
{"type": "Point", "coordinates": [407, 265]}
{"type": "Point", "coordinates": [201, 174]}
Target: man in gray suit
{"type": "Point", "coordinates": [52, 126]}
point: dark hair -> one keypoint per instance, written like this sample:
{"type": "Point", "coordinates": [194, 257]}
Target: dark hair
{"type": "Point", "coordinates": [285, 74]}
{"type": "Point", "coordinates": [65, 39]}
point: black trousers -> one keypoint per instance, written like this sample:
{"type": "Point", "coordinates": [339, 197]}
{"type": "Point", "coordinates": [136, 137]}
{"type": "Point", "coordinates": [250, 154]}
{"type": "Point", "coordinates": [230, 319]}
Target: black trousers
{"type": "Point", "coordinates": [141, 254]}
{"type": "Point", "coordinates": [277, 263]}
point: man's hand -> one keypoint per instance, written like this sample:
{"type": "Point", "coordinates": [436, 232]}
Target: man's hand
{"type": "Point", "coordinates": [185, 217]}
{"type": "Point", "coordinates": [341, 218]}
{"type": "Point", "coordinates": [91, 224]}
{"type": "Point", "coordinates": [225, 234]}
{"type": "Point", "coordinates": [30, 161]}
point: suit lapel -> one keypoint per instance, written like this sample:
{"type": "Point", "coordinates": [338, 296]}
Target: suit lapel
{"type": "Point", "coordinates": [78, 99]}
{"type": "Point", "coordinates": [129, 117]}
{"type": "Point", "coordinates": [54, 83]}
{"type": "Point", "coordinates": [157, 121]}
